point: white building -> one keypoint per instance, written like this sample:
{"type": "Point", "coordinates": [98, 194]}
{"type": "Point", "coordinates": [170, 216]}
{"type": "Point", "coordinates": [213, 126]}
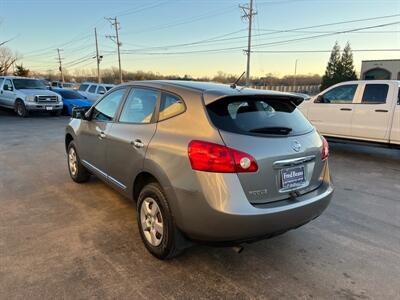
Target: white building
{"type": "Point", "coordinates": [380, 69]}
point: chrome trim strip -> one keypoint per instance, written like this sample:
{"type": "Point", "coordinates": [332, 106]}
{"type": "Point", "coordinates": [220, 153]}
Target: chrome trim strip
{"type": "Point", "coordinates": [94, 168]}
{"type": "Point", "coordinates": [116, 182]}
{"type": "Point", "coordinates": [293, 162]}
{"type": "Point", "coordinates": [112, 180]}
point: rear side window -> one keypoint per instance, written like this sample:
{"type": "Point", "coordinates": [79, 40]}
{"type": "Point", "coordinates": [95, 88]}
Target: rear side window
{"type": "Point", "coordinates": [92, 89]}
{"type": "Point", "coordinates": [170, 106]}
{"type": "Point", "coordinates": [83, 87]}
{"type": "Point", "coordinates": [375, 93]}
{"type": "Point", "coordinates": [101, 90]}
{"type": "Point", "coordinates": [398, 98]}
{"type": "Point", "coordinates": [139, 106]}
{"type": "Point", "coordinates": [255, 116]}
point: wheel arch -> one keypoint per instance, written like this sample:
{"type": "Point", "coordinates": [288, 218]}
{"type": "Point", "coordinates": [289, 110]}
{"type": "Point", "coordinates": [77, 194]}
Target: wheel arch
{"type": "Point", "coordinates": [152, 172]}
{"type": "Point", "coordinates": [18, 100]}
{"type": "Point", "coordinates": [68, 139]}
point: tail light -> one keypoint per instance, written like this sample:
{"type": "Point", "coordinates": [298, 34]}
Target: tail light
{"type": "Point", "coordinates": [325, 148]}
{"type": "Point", "coordinates": [210, 157]}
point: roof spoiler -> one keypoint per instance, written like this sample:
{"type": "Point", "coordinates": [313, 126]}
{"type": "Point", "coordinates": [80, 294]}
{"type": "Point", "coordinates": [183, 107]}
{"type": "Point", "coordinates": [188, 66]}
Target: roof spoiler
{"type": "Point", "coordinates": [295, 99]}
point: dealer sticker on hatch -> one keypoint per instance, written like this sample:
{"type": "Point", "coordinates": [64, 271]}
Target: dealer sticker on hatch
{"type": "Point", "coordinates": [292, 177]}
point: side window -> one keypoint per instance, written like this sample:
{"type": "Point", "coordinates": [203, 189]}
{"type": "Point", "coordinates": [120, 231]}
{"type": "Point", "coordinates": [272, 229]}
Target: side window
{"type": "Point", "coordinates": [101, 90]}
{"type": "Point", "coordinates": [1, 81]}
{"type": "Point", "coordinates": [106, 109]}
{"type": "Point", "coordinates": [9, 84]}
{"type": "Point", "coordinates": [92, 89]}
{"type": "Point", "coordinates": [170, 106]}
{"type": "Point", "coordinates": [83, 87]}
{"type": "Point", "coordinates": [341, 94]}
{"type": "Point", "coordinates": [398, 98]}
{"type": "Point", "coordinates": [375, 93]}
{"type": "Point", "coordinates": [139, 106]}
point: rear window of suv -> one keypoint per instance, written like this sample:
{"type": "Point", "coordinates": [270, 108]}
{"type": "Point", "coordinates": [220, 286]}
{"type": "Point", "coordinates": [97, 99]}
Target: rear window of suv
{"type": "Point", "coordinates": [83, 87]}
{"type": "Point", "coordinates": [258, 116]}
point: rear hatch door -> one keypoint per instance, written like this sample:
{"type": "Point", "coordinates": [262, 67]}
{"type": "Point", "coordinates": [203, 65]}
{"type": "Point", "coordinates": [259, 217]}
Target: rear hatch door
{"type": "Point", "coordinates": [285, 145]}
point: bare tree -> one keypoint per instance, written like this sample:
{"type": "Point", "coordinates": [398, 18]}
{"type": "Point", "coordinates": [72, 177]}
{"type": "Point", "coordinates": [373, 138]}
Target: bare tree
{"type": "Point", "coordinates": [7, 59]}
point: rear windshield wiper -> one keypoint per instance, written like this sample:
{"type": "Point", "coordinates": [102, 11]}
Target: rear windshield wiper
{"type": "Point", "coordinates": [272, 130]}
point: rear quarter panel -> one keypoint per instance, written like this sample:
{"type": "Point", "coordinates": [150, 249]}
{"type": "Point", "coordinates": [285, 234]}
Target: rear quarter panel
{"type": "Point", "coordinates": [167, 154]}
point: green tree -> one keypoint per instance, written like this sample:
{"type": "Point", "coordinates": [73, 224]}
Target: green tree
{"type": "Point", "coordinates": [346, 70]}
{"type": "Point", "coordinates": [332, 69]}
{"type": "Point", "coordinates": [21, 71]}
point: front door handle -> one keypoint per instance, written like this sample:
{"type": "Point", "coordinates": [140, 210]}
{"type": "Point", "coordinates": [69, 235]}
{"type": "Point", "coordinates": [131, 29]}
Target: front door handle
{"type": "Point", "coordinates": [346, 109]}
{"type": "Point", "coordinates": [381, 110]}
{"type": "Point", "coordinates": [137, 144]}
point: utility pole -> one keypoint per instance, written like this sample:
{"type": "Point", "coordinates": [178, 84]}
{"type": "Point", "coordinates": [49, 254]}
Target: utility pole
{"type": "Point", "coordinates": [248, 14]}
{"type": "Point", "coordinates": [60, 64]}
{"type": "Point", "coordinates": [295, 72]}
{"type": "Point", "coordinates": [98, 57]}
{"type": "Point", "coordinates": [115, 38]}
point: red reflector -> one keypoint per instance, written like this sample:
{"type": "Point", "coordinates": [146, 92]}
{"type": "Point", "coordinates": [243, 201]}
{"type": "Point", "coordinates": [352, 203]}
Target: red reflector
{"type": "Point", "coordinates": [325, 148]}
{"type": "Point", "coordinates": [210, 157]}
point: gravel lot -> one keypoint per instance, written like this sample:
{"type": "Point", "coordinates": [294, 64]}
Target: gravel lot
{"type": "Point", "coordinates": [59, 239]}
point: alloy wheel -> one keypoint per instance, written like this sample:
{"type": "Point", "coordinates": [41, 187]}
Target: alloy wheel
{"type": "Point", "coordinates": [152, 221]}
{"type": "Point", "coordinates": [72, 161]}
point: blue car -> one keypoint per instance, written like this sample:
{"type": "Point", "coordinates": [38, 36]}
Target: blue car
{"type": "Point", "coordinates": [72, 99]}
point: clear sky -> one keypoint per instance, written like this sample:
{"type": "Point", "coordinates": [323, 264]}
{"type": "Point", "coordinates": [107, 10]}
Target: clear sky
{"type": "Point", "coordinates": [155, 33]}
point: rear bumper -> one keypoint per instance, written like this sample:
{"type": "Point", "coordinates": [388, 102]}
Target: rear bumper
{"type": "Point", "coordinates": [221, 212]}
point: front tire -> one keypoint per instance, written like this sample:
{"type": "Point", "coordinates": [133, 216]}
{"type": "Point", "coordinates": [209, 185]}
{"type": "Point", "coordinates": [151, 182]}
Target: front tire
{"type": "Point", "coordinates": [76, 170]}
{"type": "Point", "coordinates": [156, 225]}
{"type": "Point", "coordinates": [20, 109]}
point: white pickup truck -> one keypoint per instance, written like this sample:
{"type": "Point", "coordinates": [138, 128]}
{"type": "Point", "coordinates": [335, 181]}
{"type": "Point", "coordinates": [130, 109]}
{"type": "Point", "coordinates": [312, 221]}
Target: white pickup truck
{"type": "Point", "coordinates": [366, 110]}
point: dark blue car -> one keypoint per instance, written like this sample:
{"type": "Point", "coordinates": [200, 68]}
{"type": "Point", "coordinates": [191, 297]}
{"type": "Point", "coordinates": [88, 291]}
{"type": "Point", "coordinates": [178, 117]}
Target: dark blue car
{"type": "Point", "coordinates": [72, 99]}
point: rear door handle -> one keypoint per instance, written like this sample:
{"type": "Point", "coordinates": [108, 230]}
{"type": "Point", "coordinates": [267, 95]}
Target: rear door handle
{"type": "Point", "coordinates": [381, 110]}
{"type": "Point", "coordinates": [346, 109]}
{"type": "Point", "coordinates": [102, 135]}
{"type": "Point", "coordinates": [137, 144]}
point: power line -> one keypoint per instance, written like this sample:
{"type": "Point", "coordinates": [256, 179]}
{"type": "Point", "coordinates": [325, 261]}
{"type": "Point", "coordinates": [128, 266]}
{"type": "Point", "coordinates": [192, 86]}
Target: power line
{"type": "Point", "coordinates": [272, 32]}
{"type": "Point", "coordinates": [325, 51]}
{"type": "Point", "coordinates": [262, 44]}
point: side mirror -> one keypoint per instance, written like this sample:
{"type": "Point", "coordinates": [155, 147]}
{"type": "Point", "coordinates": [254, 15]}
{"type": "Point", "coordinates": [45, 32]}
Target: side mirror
{"type": "Point", "coordinates": [320, 99]}
{"type": "Point", "coordinates": [6, 87]}
{"type": "Point", "coordinates": [80, 112]}
{"type": "Point", "coordinates": [102, 92]}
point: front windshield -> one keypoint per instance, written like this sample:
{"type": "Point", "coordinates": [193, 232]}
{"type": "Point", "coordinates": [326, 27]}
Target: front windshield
{"type": "Point", "coordinates": [29, 84]}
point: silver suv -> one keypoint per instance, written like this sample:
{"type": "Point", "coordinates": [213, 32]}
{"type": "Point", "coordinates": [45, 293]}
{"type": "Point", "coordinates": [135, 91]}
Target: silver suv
{"type": "Point", "coordinates": [204, 162]}
{"type": "Point", "coordinates": [27, 94]}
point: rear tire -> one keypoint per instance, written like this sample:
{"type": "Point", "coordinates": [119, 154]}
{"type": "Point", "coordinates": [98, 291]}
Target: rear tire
{"type": "Point", "coordinates": [20, 109]}
{"type": "Point", "coordinates": [76, 170]}
{"type": "Point", "coordinates": [156, 224]}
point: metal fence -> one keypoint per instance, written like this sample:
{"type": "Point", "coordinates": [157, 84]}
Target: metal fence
{"type": "Point", "coordinates": [306, 89]}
